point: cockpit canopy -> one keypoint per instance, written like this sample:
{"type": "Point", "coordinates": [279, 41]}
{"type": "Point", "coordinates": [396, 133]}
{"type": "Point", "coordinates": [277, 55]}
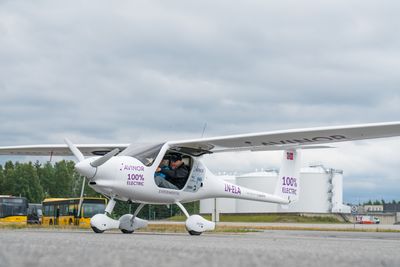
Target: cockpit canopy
{"type": "Point", "coordinates": [145, 153]}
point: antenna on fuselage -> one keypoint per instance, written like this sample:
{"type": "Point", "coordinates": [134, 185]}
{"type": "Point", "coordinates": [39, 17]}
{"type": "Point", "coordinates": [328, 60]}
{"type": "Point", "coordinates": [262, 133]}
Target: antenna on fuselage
{"type": "Point", "coordinates": [204, 129]}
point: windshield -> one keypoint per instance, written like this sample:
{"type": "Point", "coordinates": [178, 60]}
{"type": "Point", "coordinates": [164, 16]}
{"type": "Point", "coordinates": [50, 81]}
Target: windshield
{"type": "Point", "coordinates": [91, 209]}
{"type": "Point", "coordinates": [144, 153]}
{"type": "Point", "coordinates": [13, 207]}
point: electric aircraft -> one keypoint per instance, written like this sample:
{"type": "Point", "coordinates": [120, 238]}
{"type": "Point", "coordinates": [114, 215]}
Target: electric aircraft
{"type": "Point", "coordinates": [127, 172]}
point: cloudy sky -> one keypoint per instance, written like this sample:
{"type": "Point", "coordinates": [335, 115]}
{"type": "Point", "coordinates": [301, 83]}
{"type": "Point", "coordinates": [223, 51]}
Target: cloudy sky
{"type": "Point", "coordinates": [138, 71]}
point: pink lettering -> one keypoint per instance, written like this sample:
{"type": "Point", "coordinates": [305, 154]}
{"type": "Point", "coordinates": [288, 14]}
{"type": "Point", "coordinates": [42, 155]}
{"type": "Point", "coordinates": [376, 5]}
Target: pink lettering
{"type": "Point", "coordinates": [233, 189]}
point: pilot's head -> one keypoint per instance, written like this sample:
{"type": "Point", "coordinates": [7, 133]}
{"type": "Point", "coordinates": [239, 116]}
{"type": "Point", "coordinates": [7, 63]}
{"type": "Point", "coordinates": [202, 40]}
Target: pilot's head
{"type": "Point", "coordinates": [175, 160]}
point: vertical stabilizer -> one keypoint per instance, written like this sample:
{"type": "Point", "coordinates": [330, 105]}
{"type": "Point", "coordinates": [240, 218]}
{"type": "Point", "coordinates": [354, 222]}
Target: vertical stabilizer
{"type": "Point", "coordinates": [288, 185]}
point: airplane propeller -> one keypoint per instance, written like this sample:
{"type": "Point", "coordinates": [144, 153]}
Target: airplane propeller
{"type": "Point", "coordinates": [87, 170]}
{"type": "Point", "coordinates": [77, 153]}
{"type": "Point", "coordinates": [100, 161]}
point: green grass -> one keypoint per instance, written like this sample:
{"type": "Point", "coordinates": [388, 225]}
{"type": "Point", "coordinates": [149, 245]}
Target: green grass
{"type": "Point", "coordinates": [12, 226]}
{"type": "Point", "coordinates": [178, 228]}
{"type": "Point", "coordinates": [271, 218]}
{"type": "Point", "coordinates": [182, 218]}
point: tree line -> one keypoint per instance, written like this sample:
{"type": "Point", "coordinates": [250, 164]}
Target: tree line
{"type": "Point", "coordinates": [380, 202]}
{"type": "Point", "coordinates": [37, 181]}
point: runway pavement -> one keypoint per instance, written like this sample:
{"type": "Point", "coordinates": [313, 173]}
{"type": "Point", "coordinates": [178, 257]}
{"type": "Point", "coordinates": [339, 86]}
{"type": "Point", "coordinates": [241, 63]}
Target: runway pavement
{"type": "Point", "coordinates": [38, 247]}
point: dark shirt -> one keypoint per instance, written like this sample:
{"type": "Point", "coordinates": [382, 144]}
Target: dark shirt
{"type": "Point", "coordinates": [177, 176]}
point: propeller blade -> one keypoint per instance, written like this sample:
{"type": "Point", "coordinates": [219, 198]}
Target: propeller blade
{"type": "Point", "coordinates": [100, 161]}
{"type": "Point", "coordinates": [77, 153]}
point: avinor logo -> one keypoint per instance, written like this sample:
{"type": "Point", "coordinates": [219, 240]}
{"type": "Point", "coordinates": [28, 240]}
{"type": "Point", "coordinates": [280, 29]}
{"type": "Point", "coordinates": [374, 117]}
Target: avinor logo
{"type": "Point", "coordinates": [306, 140]}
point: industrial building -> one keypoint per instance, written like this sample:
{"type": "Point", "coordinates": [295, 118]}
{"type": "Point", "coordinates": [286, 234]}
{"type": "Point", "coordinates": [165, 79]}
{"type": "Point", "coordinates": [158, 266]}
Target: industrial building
{"type": "Point", "coordinates": [321, 192]}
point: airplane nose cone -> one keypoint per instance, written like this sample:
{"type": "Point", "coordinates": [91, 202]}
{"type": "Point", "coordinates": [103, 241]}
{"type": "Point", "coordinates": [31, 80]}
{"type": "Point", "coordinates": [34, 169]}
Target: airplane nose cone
{"type": "Point", "coordinates": [84, 168]}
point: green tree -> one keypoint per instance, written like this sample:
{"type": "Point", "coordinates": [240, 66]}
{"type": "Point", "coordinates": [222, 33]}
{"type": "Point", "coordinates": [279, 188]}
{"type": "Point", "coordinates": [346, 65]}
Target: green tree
{"type": "Point", "coordinates": [63, 177]}
{"type": "Point", "coordinates": [37, 181]}
{"type": "Point", "coordinates": [1, 179]}
{"type": "Point", "coordinates": [46, 178]}
{"type": "Point", "coordinates": [8, 179]}
{"type": "Point", "coordinates": [27, 182]}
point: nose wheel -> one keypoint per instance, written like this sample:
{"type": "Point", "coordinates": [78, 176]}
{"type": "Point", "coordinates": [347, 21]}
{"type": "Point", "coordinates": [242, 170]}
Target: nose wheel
{"type": "Point", "coordinates": [195, 224]}
{"type": "Point", "coordinates": [97, 230]}
{"type": "Point", "coordinates": [127, 231]}
{"type": "Point", "coordinates": [194, 233]}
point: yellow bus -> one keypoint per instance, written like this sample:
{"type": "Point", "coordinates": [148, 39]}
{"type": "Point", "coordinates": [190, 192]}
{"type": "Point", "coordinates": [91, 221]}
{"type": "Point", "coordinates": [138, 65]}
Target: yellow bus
{"type": "Point", "coordinates": [13, 210]}
{"type": "Point", "coordinates": [64, 211]}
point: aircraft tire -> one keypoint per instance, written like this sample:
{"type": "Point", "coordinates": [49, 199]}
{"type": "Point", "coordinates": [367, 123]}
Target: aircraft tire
{"type": "Point", "coordinates": [97, 230]}
{"type": "Point", "coordinates": [194, 233]}
{"type": "Point", "coordinates": [127, 231]}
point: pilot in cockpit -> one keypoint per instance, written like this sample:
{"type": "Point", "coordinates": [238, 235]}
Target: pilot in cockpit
{"type": "Point", "coordinates": [174, 176]}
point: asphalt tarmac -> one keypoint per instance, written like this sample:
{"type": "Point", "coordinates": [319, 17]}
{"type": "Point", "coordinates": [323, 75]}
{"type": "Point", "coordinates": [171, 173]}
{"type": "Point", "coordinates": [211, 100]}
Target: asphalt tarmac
{"type": "Point", "coordinates": [36, 247]}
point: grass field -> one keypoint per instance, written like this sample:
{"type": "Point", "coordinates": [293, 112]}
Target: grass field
{"type": "Point", "coordinates": [243, 229]}
{"type": "Point", "coordinates": [267, 218]}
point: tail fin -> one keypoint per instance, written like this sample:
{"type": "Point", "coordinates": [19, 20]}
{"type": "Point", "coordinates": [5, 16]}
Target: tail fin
{"type": "Point", "coordinates": [288, 185]}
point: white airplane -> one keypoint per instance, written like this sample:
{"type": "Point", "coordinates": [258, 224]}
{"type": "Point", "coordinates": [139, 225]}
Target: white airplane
{"type": "Point", "coordinates": [129, 172]}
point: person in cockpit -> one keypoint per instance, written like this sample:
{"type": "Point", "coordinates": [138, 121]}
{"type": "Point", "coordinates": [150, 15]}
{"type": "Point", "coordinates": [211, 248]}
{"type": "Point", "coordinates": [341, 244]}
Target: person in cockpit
{"type": "Point", "coordinates": [175, 176]}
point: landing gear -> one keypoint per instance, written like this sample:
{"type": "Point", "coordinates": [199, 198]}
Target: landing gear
{"type": "Point", "coordinates": [126, 231]}
{"type": "Point", "coordinates": [195, 224]}
{"type": "Point", "coordinates": [128, 223]}
{"type": "Point", "coordinates": [97, 231]}
{"type": "Point", "coordinates": [194, 233]}
{"type": "Point", "coordinates": [101, 222]}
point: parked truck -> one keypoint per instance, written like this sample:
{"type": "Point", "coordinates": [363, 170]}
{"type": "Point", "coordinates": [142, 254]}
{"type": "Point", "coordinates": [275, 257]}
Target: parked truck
{"type": "Point", "coordinates": [367, 219]}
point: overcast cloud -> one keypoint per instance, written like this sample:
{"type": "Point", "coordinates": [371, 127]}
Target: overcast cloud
{"type": "Point", "coordinates": [135, 71]}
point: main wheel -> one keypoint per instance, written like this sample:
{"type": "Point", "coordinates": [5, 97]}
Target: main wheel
{"type": "Point", "coordinates": [127, 231]}
{"type": "Point", "coordinates": [97, 230]}
{"type": "Point", "coordinates": [194, 233]}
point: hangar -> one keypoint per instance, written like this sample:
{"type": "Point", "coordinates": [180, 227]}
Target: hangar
{"type": "Point", "coordinates": [321, 192]}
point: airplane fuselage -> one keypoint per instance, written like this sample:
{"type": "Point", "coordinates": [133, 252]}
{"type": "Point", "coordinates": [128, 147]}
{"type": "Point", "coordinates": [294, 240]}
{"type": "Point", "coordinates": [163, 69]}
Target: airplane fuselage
{"type": "Point", "coordinates": [128, 179]}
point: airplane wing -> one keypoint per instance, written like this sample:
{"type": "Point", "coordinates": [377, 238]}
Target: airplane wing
{"type": "Point", "coordinates": [59, 150]}
{"type": "Point", "coordinates": [281, 140]}
{"type": "Point", "coordinates": [277, 140]}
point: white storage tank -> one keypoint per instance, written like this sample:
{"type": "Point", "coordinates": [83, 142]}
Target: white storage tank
{"type": "Point", "coordinates": [315, 191]}
{"type": "Point", "coordinates": [337, 193]}
{"type": "Point", "coordinates": [264, 181]}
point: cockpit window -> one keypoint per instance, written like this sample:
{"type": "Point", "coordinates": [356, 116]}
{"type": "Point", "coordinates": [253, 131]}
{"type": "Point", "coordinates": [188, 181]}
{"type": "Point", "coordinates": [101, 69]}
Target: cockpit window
{"type": "Point", "coordinates": [144, 153]}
